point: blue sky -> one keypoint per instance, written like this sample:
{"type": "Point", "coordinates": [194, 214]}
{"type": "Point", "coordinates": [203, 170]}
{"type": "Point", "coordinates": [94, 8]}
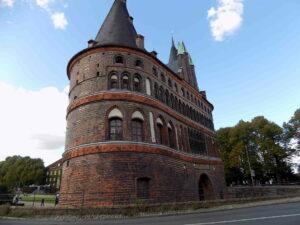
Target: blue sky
{"type": "Point", "coordinates": [252, 71]}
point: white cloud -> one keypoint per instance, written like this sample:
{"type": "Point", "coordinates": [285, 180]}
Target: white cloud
{"type": "Point", "coordinates": [59, 20]}
{"type": "Point", "coordinates": [226, 18]}
{"type": "Point", "coordinates": [7, 3]}
{"type": "Point", "coordinates": [43, 3]}
{"type": "Point", "coordinates": [32, 123]}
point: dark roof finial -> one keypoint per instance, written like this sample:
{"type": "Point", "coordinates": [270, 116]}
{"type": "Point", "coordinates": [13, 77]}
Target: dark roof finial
{"type": "Point", "coordinates": [118, 28]}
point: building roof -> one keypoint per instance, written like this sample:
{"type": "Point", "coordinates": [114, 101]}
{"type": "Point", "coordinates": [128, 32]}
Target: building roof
{"type": "Point", "coordinates": [56, 164]}
{"type": "Point", "coordinates": [181, 48]}
{"type": "Point", "coordinates": [118, 28]}
{"type": "Point", "coordinates": [191, 60]}
{"type": "Point", "coordinates": [173, 60]}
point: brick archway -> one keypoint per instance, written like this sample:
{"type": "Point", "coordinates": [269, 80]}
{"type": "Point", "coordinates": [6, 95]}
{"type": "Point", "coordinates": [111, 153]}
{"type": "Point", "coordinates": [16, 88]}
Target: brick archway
{"type": "Point", "coordinates": [205, 187]}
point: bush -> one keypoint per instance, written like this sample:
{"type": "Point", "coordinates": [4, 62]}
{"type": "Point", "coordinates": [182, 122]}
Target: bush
{"type": "Point", "coordinates": [4, 210]}
{"type": "Point", "coordinates": [3, 189]}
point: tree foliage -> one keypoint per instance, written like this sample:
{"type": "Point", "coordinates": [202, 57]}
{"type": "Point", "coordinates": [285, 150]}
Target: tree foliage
{"type": "Point", "coordinates": [256, 145]}
{"type": "Point", "coordinates": [292, 132]}
{"type": "Point", "coordinates": [17, 172]}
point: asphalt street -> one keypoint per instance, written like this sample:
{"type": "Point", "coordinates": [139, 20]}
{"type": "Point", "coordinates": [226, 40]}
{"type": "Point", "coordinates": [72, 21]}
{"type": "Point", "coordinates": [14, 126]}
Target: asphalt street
{"type": "Point", "coordinates": [281, 214]}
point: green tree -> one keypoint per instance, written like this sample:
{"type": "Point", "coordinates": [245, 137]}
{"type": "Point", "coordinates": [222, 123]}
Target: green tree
{"type": "Point", "coordinates": [17, 172]}
{"type": "Point", "coordinates": [254, 146]}
{"type": "Point", "coordinates": [292, 133]}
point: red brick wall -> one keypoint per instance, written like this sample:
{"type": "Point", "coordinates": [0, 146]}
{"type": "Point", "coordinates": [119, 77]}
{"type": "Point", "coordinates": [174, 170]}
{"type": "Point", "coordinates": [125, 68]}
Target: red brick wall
{"type": "Point", "coordinates": [109, 178]}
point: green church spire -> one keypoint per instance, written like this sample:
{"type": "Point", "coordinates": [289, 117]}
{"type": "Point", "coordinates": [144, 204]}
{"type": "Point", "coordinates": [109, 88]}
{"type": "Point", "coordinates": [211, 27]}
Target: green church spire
{"type": "Point", "coordinates": [181, 48]}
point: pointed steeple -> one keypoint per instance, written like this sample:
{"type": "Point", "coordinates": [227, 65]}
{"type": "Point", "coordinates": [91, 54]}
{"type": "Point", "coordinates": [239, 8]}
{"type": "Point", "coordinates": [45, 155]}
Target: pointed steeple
{"type": "Point", "coordinates": [191, 61]}
{"type": "Point", "coordinates": [173, 53]}
{"type": "Point", "coordinates": [118, 28]}
{"type": "Point", "coordinates": [173, 60]}
{"type": "Point", "coordinates": [181, 48]}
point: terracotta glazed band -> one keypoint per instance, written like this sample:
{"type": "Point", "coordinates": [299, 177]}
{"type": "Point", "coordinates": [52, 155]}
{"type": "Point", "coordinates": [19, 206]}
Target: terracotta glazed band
{"type": "Point", "coordinates": [111, 147]}
{"type": "Point", "coordinates": [138, 98]}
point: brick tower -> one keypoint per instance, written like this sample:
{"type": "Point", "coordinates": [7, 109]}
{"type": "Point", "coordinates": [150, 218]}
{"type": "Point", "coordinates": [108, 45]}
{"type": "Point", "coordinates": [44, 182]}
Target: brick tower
{"type": "Point", "coordinates": [137, 129]}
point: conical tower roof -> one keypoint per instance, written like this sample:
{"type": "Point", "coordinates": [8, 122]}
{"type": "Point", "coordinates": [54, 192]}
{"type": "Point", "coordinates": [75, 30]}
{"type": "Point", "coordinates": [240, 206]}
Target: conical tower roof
{"type": "Point", "coordinates": [118, 28]}
{"type": "Point", "coordinates": [181, 48]}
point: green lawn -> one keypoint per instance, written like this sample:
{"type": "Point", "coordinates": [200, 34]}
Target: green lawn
{"type": "Point", "coordinates": [38, 198]}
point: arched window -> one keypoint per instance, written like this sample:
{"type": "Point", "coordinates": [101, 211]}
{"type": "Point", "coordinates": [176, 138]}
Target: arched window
{"type": "Point", "coordinates": [119, 59]}
{"type": "Point", "coordinates": [148, 86]}
{"type": "Point", "coordinates": [125, 82]}
{"type": "Point", "coordinates": [160, 127]}
{"type": "Point", "coordinates": [170, 83]}
{"type": "Point", "coordinates": [154, 71]}
{"type": "Point", "coordinates": [137, 130]}
{"type": "Point", "coordinates": [139, 63]}
{"type": "Point", "coordinates": [156, 94]}
{"type": "Point", "coordinates": [176, 88]}
{"type": "Point", "coordinates": [137, 83]}
{"type": "Point", "coordinates": [143, 188]}
{"type": "Point", "coordinates": [172, 103]}
{"type": "Point", "coordinates": [180, 107]}
{"type": "Point", "coordinates": [115, 125]}
{"type": "Point", "coordinates": [113, 81]}
{"type": "Point", "coordinates": [182, 92]}
{"type": "Point", "coordinates": [188, 112]}
{"type": "Point", "coordinates": [115, 129]}
{"type": "Point", "coordinates": [167, 98]}
{"type": "Point", "coordinates": [163, 78]}
{"type": "Point", "coordinates": [171, 134]}
{"type": "Point", "coordinates": [176, 104]}
{"type": "Point", "coordinates": [161, 94]}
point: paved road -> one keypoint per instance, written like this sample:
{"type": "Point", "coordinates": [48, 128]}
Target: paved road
{"type": "Point", "coordinates": [282, 214]}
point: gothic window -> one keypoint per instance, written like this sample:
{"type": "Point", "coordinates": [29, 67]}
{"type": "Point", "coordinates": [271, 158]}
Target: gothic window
{"type": "Point", "coordinates": [154, 71]}
{"type": "Point", "coordinates": [115, 125]}
{"type": "Point", "coordinates": [167, 98]}
{"type": "Point", "coordinates": [113, 81]}
{"type": "Point", "coordinates": [170, 83]}
{"type": "Point", "coordinates": [159, 134]}
{"type": "Point", "coordinates": [185, 110]}
{"type": "Point", "coordinates": [171, 134]}
{"type": "Point", "coordinates": [180, 107]}
{"type": "Point", "coordinates": [176, 104]}
{"type": "Point", "coordinates": [137, 130]}
{"type": "Point", "coordinates": [172, 103]}
{"type": "Point", "coordinates": [182, 92]}
{"type": "Point", "coordinates": [143, 188]}
{"type": "Point", "coordinates": [137, 83]}
{"type": "Point", "coordinates": [161, 94]}
{"type": "Point", "coordinates": [197, 142]}
{"type": "Point", "coordinates": [119, 59]}
{"type": "Point", "coordinates": [125, 82]}
{"type": "Point", "coordinates": [156, 92]}
{"type": "Point", "coordinates": [163, 78]}
{"type": "Point", "coordinates": [115, 129]}
{"type": "Point", "coordinates": [139, 63]}
{"type": "Point", "coordinates": [160, 127]}
{"type": "Point", "coordinates": [176, 88]}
